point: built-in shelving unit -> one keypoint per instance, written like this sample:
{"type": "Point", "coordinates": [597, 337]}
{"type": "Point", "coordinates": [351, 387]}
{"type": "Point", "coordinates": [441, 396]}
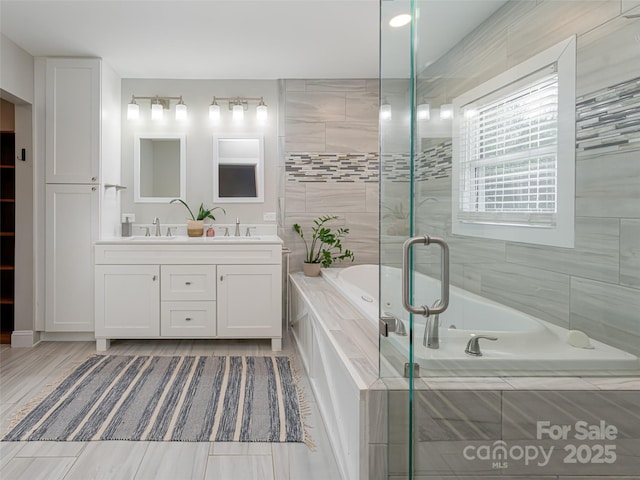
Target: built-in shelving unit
{"type": "Point", "coordinates": [7, 234]}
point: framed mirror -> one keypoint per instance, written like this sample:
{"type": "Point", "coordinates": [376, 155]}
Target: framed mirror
{"type": "Point", "coordinates": [238, 169]}
{"type": "Point", "coordinates": [159, 167]}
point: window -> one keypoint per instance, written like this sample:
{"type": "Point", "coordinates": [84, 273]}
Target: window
{"type": "Point", "coordinates": [514, 152]}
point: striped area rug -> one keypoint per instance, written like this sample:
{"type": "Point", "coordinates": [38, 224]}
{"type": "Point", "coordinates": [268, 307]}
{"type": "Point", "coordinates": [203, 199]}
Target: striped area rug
{"type": "Point", "coordinates": [159, 398]}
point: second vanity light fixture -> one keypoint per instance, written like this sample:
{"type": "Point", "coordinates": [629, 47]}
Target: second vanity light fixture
{"type": "Point", "coordinates": [158, 105]}
{"type": "Point", "coordinates": [238, 105]}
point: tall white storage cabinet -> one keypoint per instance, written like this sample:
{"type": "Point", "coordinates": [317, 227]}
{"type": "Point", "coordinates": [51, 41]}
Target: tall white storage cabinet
{"type": "Point", "coordinates": [77, 92]}
{"type": "Point", "coordinates": [71, 228]}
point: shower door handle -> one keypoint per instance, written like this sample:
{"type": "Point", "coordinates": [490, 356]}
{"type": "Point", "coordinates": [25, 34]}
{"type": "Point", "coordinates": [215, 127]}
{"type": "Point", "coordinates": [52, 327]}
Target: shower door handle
{"type": "Point", "coordinates": [406, 276]}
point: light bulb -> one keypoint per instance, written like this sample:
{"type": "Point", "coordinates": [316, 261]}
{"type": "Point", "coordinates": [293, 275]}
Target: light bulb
{"type": "Point", "coordinates": [157, 112]}
{"type": "Point", "coordinates": [181, 111]}
{"type": "Point", "coordinates": [261, 113]}
{"type": "Point", "coordinates": [133, 111]}
{"type": "Point", "coordinates": [400, 20]}
{"type": "Point", "coordinates": [214, 111]}
{"type": "Point", "coordinates": [424, 111]}
{"type": "Point", "coordinates": [238, 113]}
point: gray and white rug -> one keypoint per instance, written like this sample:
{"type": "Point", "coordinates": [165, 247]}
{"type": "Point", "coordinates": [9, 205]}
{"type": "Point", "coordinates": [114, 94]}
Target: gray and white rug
{"type": "Point", "coordinates": [159, 398]}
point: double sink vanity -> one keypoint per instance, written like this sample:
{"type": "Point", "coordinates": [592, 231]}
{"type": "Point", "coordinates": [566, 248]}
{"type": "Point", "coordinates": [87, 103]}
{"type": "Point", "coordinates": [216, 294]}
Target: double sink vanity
{"type": "Point", "coordinates": [184, 287]}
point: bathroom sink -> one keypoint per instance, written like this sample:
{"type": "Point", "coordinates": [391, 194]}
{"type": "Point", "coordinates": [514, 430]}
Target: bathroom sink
{"type": "Point", "coordinates": [142, 238]}
{"type": "Point", "coordinates": [233, 239]}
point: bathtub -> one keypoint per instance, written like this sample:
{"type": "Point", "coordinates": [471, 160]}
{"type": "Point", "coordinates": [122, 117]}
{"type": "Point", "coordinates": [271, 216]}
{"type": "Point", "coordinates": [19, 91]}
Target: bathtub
{"type": "Point", "coordinates": [526, 345]}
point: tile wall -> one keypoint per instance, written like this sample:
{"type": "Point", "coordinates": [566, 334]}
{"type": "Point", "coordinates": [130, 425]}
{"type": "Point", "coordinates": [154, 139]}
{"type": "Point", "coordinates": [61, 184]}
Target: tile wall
{"type": "Point", "coordinates": [330, 146]}
{"type": "Point", "coordinates": [594, 287]}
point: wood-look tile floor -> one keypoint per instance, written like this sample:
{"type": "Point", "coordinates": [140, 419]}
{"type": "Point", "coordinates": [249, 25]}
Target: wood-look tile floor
{"type": "Point", "coordinates": [25, 372]}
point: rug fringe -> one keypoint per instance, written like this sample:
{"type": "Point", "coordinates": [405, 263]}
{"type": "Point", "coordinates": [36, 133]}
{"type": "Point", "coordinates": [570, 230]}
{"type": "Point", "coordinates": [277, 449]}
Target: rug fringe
{"type": "Point", "coordinates": [23, 411]}
{"type": "Point", "coordinates": [303, 405]}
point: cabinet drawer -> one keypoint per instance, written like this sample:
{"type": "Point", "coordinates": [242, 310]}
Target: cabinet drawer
{"type": "Point", "coordinates": [188, 282]}
{"type": "Point", "coordinates": [188, 319]}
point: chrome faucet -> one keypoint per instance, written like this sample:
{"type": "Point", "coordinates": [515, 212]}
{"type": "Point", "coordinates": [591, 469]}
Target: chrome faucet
{"type": "Point", "coordinates": [431, 337]}
{"type": "Point", "coordinates": [473, 345]}
{"type": "Point", "coordinates": [399, 328]}
{"type": "Point", "coordinates": [156, 222]}
{"type": "Point", "coordinates": [237, 234]}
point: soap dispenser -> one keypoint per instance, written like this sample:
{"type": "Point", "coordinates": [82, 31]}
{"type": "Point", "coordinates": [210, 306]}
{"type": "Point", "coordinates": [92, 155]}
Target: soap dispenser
{"type": "Point", "coordinates": [127, 224]}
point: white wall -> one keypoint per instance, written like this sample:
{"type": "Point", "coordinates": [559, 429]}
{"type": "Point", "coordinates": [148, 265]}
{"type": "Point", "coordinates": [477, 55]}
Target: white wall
{"type": "Point", "coordinates": [16, 85]}
{"type": "Point", "coordinates": [16, 71]}
{"type": "Point", "coordinates": [110, 151]}
{"type": "Point", "coordinates": [197, 95]}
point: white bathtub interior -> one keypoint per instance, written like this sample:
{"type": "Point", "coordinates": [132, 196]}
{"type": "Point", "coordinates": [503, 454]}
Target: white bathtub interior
{"type": "Point", "coordinates": [526, 345]}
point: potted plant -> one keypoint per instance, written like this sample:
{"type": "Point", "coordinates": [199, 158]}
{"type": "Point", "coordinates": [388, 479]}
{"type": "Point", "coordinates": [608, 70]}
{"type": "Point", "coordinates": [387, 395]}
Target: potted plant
{"type": "Point", "coordinates": [195, 226]}
{"type": "Point", "coordinates": [326, 245]}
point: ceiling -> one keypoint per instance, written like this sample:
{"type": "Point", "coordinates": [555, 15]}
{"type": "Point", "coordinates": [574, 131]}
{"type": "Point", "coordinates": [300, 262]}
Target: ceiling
{"type": "Point", "coordinates": [238, 39]}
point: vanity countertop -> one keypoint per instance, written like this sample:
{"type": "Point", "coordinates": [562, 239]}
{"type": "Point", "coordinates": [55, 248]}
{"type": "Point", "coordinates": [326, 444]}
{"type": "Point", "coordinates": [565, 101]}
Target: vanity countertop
{"type": "Point", "coordinates": [184, 240]}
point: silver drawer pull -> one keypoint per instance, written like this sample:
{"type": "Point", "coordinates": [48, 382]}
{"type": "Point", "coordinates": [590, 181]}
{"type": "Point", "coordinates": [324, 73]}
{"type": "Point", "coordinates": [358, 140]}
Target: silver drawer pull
{"type": "Point", "coordinates": [188, 319]}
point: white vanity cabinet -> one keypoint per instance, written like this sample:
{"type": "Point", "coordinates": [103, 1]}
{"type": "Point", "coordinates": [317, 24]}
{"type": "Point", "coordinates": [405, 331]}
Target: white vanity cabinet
{"type": "Point", "coordinates": [188, 307]}
{"type": "Point", "coordinates": [177, 288]}
{"type": "Point", "coordinates": [249, 301]}
{"type": "Point", "coordinates": [127, 301]}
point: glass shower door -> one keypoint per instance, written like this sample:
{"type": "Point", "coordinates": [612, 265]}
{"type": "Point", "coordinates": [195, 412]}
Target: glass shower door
{"type": "Point", "coordinates": [396, 226]}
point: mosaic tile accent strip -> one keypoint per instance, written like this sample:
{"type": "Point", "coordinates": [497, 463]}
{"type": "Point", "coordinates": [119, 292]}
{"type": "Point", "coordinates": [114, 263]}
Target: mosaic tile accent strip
{"type": "Point", "coordinates": [332, 167]}
{"type": "Point", "coordinates": [608, 120]}
{"type": "Point", "coordinates": [434, 162]}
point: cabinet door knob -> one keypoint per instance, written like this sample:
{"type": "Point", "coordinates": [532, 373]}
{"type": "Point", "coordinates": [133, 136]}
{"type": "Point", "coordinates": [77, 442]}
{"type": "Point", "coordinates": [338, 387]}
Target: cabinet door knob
{"type": "Point", "coordinates": [153, 278]}
{"type": "Point", "coordinates": [221, 277]}
{"type": "Point", "coordinates": [187, 283]}
{"type": "Point", "coordinates": [93, 189]}
{"type": "Point", "coordinates": [93, 179]}
{"type": "Point", "coordinates": [188, 319]}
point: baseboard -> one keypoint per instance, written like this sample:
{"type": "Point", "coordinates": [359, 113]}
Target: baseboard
{"type": "Point", "coordinates": [24, 338]}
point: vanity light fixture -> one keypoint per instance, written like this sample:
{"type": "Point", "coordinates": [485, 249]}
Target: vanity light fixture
{"type": "Point", "coordinates": [133, 110]}
{"type": "Point", "coordinates": [158, 105]}
{"type": "Point", "coordinates": [261, 111]}
{"type": "Point", "coordinates": [385, 110]}
{"type": "Point", "coordinates": [238, 105]}
{"type": "Point", "coordinates": [446, 111]}
{"type": "Point", "coordinates": [181, 110]}
{"type": "Point", "coordinates": [424, 111]}
{"type": "Point", "coordinates": [157, 111]}
{"type": "Point", "coordinates": [238, 112]}
{"type": "Point", "coordinates": [214, 110]}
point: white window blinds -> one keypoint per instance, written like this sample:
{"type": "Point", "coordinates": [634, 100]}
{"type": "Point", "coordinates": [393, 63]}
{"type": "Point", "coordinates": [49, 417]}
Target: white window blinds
{"type": "Point", "coordinates": [509, 155]}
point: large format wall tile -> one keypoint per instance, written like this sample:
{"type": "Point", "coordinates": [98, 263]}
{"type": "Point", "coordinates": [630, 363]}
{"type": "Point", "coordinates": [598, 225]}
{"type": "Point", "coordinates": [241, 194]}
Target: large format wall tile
{"type": "Point", "coordinates": [305, 136]}
{"type": "Point", "coordinates": [336, 85]}
{"type": "Point", "coordinates": [558, 20]}
{"type": "Point", "coordinates": [352, 136]}
{"type": "Point", "coordinates": [607, 185]}
{"type": "Point", "coordinates": [315, 107]}
{"type": "Point", "coordinates": [607, 312]}
{"type": "Point", "coordinates": [331, 198]}
{"type": "Point", "coordinates": [540, 293]}
{"type": "Point", "coordinates": [522, 412]}
{"type": "Point", "coordinates": [595, 254]}
{"type": "Point", "coordinates": [597, 66]}
{"type": "Point", "coordinates": [630, 252]}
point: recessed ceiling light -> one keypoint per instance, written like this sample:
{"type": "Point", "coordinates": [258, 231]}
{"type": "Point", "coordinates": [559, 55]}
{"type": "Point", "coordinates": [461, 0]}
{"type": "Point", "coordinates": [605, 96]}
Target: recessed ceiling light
{"type": "Point", "coordinates": [400, 20]}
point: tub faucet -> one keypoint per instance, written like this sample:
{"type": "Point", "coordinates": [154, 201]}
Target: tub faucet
{"type": "Point", "coordinates": [156, 222]}
{"type": "Point", "coordinates": [431, 337]}
{"type": "Point", "coordinates": [237, 234]}
{"type": "Point", "coordinates": [473, 345]}
{"type": "Point", "coordinates": [399, 324]}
